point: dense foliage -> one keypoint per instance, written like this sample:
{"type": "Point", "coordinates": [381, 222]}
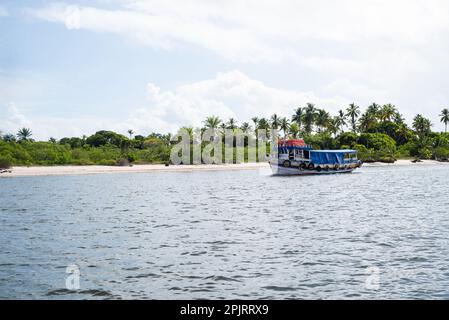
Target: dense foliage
{"type": "Point", "coordinates": [379, 134]}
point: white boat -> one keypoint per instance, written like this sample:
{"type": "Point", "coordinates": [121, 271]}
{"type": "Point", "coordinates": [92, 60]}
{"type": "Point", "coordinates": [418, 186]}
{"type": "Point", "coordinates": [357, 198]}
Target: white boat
{"type": "Point", "coordinates": [295, 157]}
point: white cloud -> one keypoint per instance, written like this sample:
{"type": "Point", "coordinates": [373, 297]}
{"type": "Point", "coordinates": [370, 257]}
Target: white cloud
{"type": "Point", "coordinates": [263, 30]}
{"type": "Point", "coordinates": [13, 119]}
{"type": "Point", "coordinates": [229, 94]}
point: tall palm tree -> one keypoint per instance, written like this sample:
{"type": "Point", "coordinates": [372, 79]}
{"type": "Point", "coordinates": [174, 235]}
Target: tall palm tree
{"type": "Point", "coordinates": [445, 118]}
{"type": "Point", "coordinates": [232, 124]}
{"type": "Point", "coordinates": [341, 120]}
{"type": "Point", "coordinates": [334, 125]}
{"type": "Point", "coordinates": [298, 117]}
{"type": "Point", "coordinates": [212, 122]}
{"type": "Point", "coordinates": [367, 122]}
{"type": "Point", "coordinates": [24, 134]}
{"type": "Point", "coordinates": [130, 132]}
{"type": "Point", "coordinates": [285, 125]}
{"type": "Point", "coordinates": [294, 130]}
{"type": "Point", "coordinates": [322, 119]}
{"type": "Point", "coordinates": [398, 118]}
{"type": "Point", "coordinates": [309, 117]}
{"type": "Point", "coordinates": [353, 111]}
{"type": "Point", "coordinates": [255, 120]}
{"type": "Point", "coordinates": [264, 124]}
{"type": "Point", "coordinates": [245, 127]}
{"type": "Point", "coordinates": [275, 121]}
{"type": "Point", "coordinates": [421, 125]}
{"type": "Point", "coordinates": [9, 137]}
{"type": "Point", "coordinates": [387, 112]}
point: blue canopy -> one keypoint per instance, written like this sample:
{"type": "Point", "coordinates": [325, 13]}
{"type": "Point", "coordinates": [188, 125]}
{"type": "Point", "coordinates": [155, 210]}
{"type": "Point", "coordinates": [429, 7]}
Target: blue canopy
{"type": "Point", "coordinates": [329, 156]}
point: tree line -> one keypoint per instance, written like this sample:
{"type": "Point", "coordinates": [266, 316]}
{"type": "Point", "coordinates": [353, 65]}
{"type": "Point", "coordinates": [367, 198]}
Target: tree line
{"type": "Point", "coordinates": [379, 133]}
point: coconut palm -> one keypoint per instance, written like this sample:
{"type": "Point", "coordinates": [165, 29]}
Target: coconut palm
{"type": "Point", "coordinates": [130, 132]}
{"type": "Point", "coordinates": [264, 124]}
{"type": "Point", "coordinates": [232, 124]}
{"type": "Point", "coordinates": [367, 122]}
{"type": "Point", "coordinates": [334, 125]}
{"type": "Point", "coordinates": [387, 112]}
{"type": "Point", "coordinates": [294, 130]}
{"type": "Point", "coordinates": [309, 117]}
{"type": "Point", "coordinates": [212, 122]}
{"type": "Point", "coordinates": [24, 134]}
{"type": "Point", "coordinates": [255, 120]}
{"type": "Point", "coordinates": [421, 125]}
{"type": "Point", "coordinates": [284, 125]}
{"type": "Point", "coordinates": [445, 118]}
{"type": "Point", "coordinates": [322, 119]}
{"type": "Point", "coordinates": [275, 121]}
{"type": "Point", "coordinates": [245, 127]}
{"type": "Point", "coordinates": [353, 112]}
{"type": "Point", "coordinates": [9, 137]}
{"type": "Point", "coordinates": [341, 120]}
{"type": "Point", "coordinates": [298, 117]}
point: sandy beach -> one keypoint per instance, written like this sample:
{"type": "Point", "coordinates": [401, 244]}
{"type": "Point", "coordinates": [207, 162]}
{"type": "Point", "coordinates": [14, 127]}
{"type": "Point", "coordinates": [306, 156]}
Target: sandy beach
{"type": "Point", "coordinates": [80, 170]}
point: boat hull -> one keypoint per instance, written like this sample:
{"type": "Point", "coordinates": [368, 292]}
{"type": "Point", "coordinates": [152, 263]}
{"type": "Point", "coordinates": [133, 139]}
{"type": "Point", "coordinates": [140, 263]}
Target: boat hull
{"type": "Point", "coordinates": [295, 171]}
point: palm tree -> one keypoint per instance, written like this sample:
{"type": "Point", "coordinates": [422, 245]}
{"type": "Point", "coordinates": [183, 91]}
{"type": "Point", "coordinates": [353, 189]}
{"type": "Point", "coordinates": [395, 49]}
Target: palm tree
{"type": "Point", "coordinates": [245, 127]}
{"type": "Point", "coordinates": [275, 121]}
{"type": "Point", "coordinates": [387, 112]}
{"type": "Point", "coordinates": [24, 134]}
{"type": "Point", "coordinates": [367, 122]}
{"type": "Point", "coordinates": [294, 130]}
{"type": "Point", "coordinates": [130, 132]}
{"type": "Point", "coordinates": [334, 125]}
{"type": "Point", "coordinates": [212, 122]}
{"type": "Point", "coordinates": [232, 124]}
{"type": "Point", "coordinates": [421, 125]}
{"type": "Point", "coordinates": [353, 111]}
{"type": "Point", "coordinates": [322, 119]}
{"type": "Point", "coordinates": [9, 137]}
{"type": "Point", "coordinates": [309, 117]}
{"type": "Point", "coordinates": [264, 124]}
{"type": "Point", "coordinates": [298, 117]}
{"type": "Point", "coordinates": [255, 120]}
{"type": "Point", "coordinates": [341, 120]}
{"type": "Point", "coordinates": [285, 125]}
{"type": "Point", "coordinates": [445, 118]}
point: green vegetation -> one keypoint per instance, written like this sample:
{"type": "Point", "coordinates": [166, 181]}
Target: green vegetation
{"type": "Point", "coordinates": [102, 148]}
{"type": "Point", "coordinates": [380, 133]}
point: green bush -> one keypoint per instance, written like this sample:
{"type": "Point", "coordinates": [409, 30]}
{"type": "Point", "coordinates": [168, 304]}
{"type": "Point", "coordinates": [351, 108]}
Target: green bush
{"type": "Point", "coordinates": [441, 153]}
{"type": "Point", "coordinates": [6, 162]}
{"type": "Point", "coordinates": [377, 141]}
{"type": "Point", "coordinates": [105, 162]}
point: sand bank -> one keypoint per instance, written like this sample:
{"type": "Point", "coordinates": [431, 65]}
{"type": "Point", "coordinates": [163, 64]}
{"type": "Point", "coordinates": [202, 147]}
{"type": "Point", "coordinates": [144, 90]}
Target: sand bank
{"type": "Point", "coordinates": [79, 170]}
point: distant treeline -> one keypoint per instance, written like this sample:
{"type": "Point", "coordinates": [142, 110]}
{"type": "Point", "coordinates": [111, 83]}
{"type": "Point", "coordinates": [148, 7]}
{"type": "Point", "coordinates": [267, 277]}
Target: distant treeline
{"type": "Point", "coordinates": [380, 133]}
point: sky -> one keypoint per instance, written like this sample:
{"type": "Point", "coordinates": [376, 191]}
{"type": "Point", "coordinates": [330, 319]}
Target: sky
{"type": "Point", "coordinates": [72, 68]}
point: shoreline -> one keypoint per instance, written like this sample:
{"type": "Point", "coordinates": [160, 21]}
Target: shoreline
{"type": "Point", "coordinates": [34, 171]}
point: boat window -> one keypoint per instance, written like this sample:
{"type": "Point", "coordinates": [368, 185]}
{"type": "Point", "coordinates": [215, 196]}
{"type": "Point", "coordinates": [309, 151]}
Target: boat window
{"type": "Point", "coordinates": [299, 153]}
{"type": "Point", "coordinates": [306, 154]}
{"type": "Point", "coordinates": [347, 156]}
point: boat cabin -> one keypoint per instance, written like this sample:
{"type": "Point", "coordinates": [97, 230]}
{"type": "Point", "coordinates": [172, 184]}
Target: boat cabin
{"type": "Point", "coordinates": [297, 152]}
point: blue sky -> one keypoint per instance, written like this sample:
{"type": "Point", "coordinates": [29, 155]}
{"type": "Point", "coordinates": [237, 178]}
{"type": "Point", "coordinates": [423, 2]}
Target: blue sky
{"type": "Point", "coordinates": [74, 67]}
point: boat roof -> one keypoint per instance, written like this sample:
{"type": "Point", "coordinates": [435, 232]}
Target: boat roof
{"type": "Point", "coordinates": [335, 151]}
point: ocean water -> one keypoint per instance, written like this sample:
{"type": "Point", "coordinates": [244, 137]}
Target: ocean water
{"type": "Point", "coordinates": [380, 232]}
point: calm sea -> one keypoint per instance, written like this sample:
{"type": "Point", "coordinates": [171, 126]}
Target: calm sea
{"type": "Point", "coordinates": [377, 233]}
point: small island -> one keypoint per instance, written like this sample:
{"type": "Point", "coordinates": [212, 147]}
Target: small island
{"type": "Point", "coordinates": [380, 135]}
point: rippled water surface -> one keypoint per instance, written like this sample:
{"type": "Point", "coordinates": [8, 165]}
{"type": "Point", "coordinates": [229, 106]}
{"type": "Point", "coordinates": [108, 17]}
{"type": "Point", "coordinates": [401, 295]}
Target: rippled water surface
{"type": "Point", "coordinates": [377, 233]}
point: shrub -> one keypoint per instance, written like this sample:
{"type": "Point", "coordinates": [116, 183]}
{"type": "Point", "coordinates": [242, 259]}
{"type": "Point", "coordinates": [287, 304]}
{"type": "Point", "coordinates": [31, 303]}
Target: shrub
{"type": "Point", "coordinates": [377, 141]}
{"type": "Point", "coordinates": [109, 162]}
{"type": "Point", "coordinates": [122, 162]}
{"type": "Point", "coordinates": [441, 153]}
{"type": "Point", "coordinates": [5, 162]}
